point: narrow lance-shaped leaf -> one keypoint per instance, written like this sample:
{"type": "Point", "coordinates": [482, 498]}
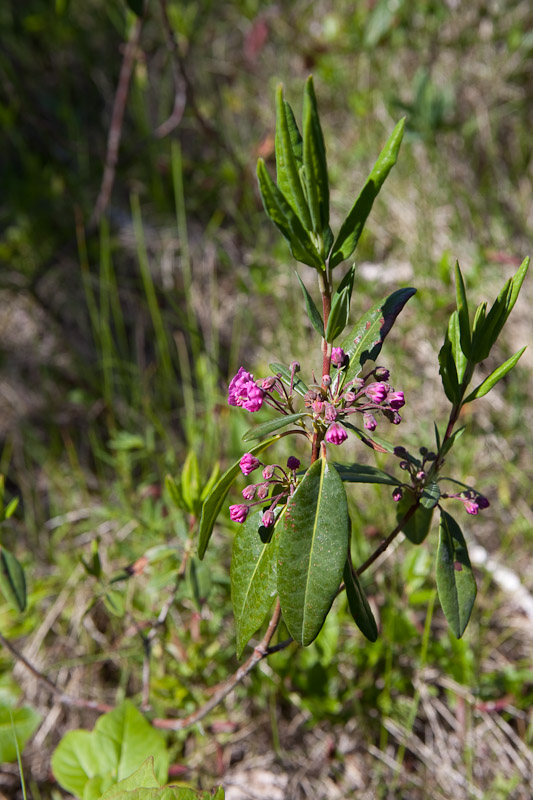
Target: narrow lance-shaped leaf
{"type": "Point", "coordinates": [340, 306]}
{"type": "Point", "coordinates": [253, 577]}
{"type": "Point", "coordinates": [312, 311]}
{"type": "Point", "coordinates": [462, 311]}
{"type": "Point", "coordinates": [364, 473]}
{"type": "Point", "coordinates": [494, 377]}
{"type": "Point", "coordinates": [12, 580]}
{"type": "Point", "coordinates": [485, 335]}
{"type": "Point", "coordinates": [286, 164]}
{"type": "Point", "coordinates": [456, 584]}
{"type": "Point", "coordinates": [366, 338]}
{"type": "Point", "coordinates": [312, 545]}
{"type": "Point", "coordinates": [272, 425]}
{"type": "Point", "coordinates": [283, 216]}
{"type": "Point", "coordinates": [359, 606]}
{"type": "Point", "coordinates": [352, 227]}
{"type": "Point", "coordinates": [314, 158]}
{"type": "Point", "coordinates": [215, 500]}
{"type": "Point", "coordinates": [417, 527]}
{"type": "Point", "coordinates": [298, 385]}
{"type": "Point", "coordinates": [454, 337]}
{"type": "Point", "coordinates": [448, 372]}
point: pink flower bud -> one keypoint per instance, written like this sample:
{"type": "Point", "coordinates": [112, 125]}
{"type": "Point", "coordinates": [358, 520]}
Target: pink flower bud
{"type": "Point", "coordinates": [238, 513]}
{"type": "Point", "coordinates": [337, 356]}
{"type": "Point", "coordinates": [318, 406]}
{"type": "Point", "coordinates": [326, 380]}
{"type": "Point", "coordinates": [268, 519]}
{"type": "Point", "coordinates": [336, 434]}
{"type": "Point", "coordinates": [349, 397]}
{"type": "Point", "coordinates": [397, 494]}
{"type": "Point", "coordinates": [369, 421]}
{"type": "Point", "coordinates": [268, 472]}
{"type": "Point", "coordinates": [396, 400]}
{"type": "Point", "coordinates": [377, 392]}
{"type": "Point", "coordinates": [331, 413]}
{"type": "Point", "coordinates": [249, 492]}
{"type": "Point", "coordinates": [382, 374]}
{"type": "Point", "coordinates": [248, 463]}
{"type": "Point", "coordinates": [268, 383]}
{"type": "Point", "coordinates": [420, 475]}
{"type": "Point", "coordinates": [293, 462]}
{"type": "Point", "coordinates": [471, 507]}
{"type": "Point", "coordinates": [262, 491]}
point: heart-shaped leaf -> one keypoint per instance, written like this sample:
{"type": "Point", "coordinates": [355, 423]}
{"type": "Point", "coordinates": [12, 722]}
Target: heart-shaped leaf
{"type": "Point", "coordinates": [456, 584]}
{"type": "Point", "coordinates": [313, 538]}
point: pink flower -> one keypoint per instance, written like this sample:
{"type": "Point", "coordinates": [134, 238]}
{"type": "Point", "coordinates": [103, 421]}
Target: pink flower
{"type": "Point", "coordinates": [471, 507]}
{"type": "Point", "coordinates": [337, 356]}
{"type": "Point", "coordinates": [244, 392]}
{"type": "Point", "coordinates": [248, 463]}
{"type": "Point", "coordinates": [335, 434]}
{"type": "Point", "coordinates": [369, 421]}
{"type": "Point", "coordinates": [377, 391]}
{"type": "Point", "coordinates": [396, 400]}
{"type": "Point", "coordinates": [268, 519]}
{"type": "Point", "coordinates": [238, 513]}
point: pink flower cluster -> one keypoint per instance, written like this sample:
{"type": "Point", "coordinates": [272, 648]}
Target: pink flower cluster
{"type": "Point", "coordinates": [273, 475]}
{"type": "Point", "coordinates": [244, 392]}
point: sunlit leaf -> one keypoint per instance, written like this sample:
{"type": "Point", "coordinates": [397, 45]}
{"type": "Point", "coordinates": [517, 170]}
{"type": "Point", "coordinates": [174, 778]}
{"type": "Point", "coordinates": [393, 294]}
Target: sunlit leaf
{"type": "Point", "coordinates": [494, 377]}
{"type": "Point", "coordinates": [287, 160]}
{"type": "Point", "coordinates": [298, 385]}
{"type": "Point", "coordinates": [314, 159]}
{"type": "Point", "coordinates": [313, 538]}
{"type": "Point", "coordinates": [272, 425]}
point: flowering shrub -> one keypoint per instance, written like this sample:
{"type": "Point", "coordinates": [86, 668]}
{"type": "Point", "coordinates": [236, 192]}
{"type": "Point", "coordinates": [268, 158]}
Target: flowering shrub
{"type": "Point", "coordinates": [295, 534]}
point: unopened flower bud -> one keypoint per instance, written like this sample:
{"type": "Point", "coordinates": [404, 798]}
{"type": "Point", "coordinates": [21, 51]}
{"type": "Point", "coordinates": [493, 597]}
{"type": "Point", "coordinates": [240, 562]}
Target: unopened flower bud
{"type": "Point", "coordinates": [349, 398]}
{"type": "Point", "coordinates": [471, 507]}
{"type": "Point", "coordinates": [268, 472]}
{"type": "Point", "coordinates": [326, 380]}
{"type": "Point", "coordinates": [482, 502]}
{"type": "Point", "coordinates": [400, 451]}
{"type": "Point", "coordinates": [262, 491]}
{"type": "Point", "coordinates": [423, 451]}
{"type": "Point", "coordinates": [396, 400]}
{"type": "Point", "coordinates": [268, 519]}
{"type": "Point", "coordinates": [249, 492]}
{"type": "Point", "coordinates": [397, 494]}
{"type": "Point", "coordinates": [293, 462]}
{"type": "Point", "coordinates": [331, 413]}
{"type": "Point", "coordinates": [268, 383]}
{"type": "Point", "coordinates": [248, 463]}
{"type": "Point", "coordinates": [404, 465]}
{"type": "Point", "coordinates": [318, 406]}
{"type": "Point", "coordinates": [377, 392]}
{"type": "Point", "coordinates": [337, 356]}
{"type": "Point", "coordinates": [420, 475]}
{"type": "Point", "coordinates": [382, 374]}
{"type": "Point", "coordinates": [309, 398]}
{"type": "Point", "coordinates": [295, 366]}
{"type": "Point", "coordinates": [336, 434]}
{"type": "Point", "coordinates": [238, 513]}
{"type": "Point", "coordinates": [369, 421]}
{"type": "Point", "coordinates": [431, 456]}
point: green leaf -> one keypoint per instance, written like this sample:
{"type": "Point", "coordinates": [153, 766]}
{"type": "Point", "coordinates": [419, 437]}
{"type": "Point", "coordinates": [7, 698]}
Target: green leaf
{"type": "Point", "coordinates": [454, 337]}
{"type": "Point", "coordinates": [253, 577]}
{"type": "Point", "coordinates": [115, 602]}
{"type": "Point", "coordinates": [456, 584]}
{"type": "Point", "coordinates": [375, 442]}
{"type": "Point", "coordinates": [362, 473]}
{"type": "Point", "coordinates": [287, 166]}
{"type": "Point", "coordinates": [272, 425]}
{"type": "Point", "coordinates": [198, 581]}
{"type": "Point", "coordinates": [312, 311]}
{"type": "Point", "coordinates": [358, 604]}
{"type": "Point", "coordinates": [485, 335]}
{"type": "Point", "coordinates": [448, 444]}
{"type": "Point", "coordinates": [142, 778]}
{"type": "Point", "coordinates": [215, 500]}
{"type": "Point", "coordinates": [16, 722]}
{"type": "Point", "coordinates": [462, 311]}
{"type": "Point", "coordinates": [314, 158]}
{"type": "Point", "coordinates": [339, 314]}
{"type": "Point", "coordinates": [417, 527]}
{"type": "Point", "coordinates": [174, 492]}
{"type": "Point", "coordinates": [285, 373]}
{"type": "Point", "coordinates": [493, 378]}
{"type": "Point", "coordinates": [12, 580]}
{"type": "Point", "coordinates": [283, 216]}
{"type": "Point", "coordinates": [190, 481]}
{"type": "Point", "coordinates": [213, 478]}
{"type": "Point", "coordinates": [143, 785]}
{"type": "Point", "coordinates": [366, 338]}
{"type": "Point", "coordinates": [430, 495]}
{"type": "Point", "coordinates": [448, 372]}
{"type": "Point", "coordinates": [11, 508]}
{"type": "Point", "coordinates": [312, 544]}
{"type": "Point", "coordinates": [116, 747]}
{"type": "Point", "coordinates": [352, 227]}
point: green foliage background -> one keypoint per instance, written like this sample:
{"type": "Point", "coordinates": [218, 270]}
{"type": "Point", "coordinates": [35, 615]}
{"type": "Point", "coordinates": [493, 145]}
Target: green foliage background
{"type": "Point", "coordinates": [117, 341]}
